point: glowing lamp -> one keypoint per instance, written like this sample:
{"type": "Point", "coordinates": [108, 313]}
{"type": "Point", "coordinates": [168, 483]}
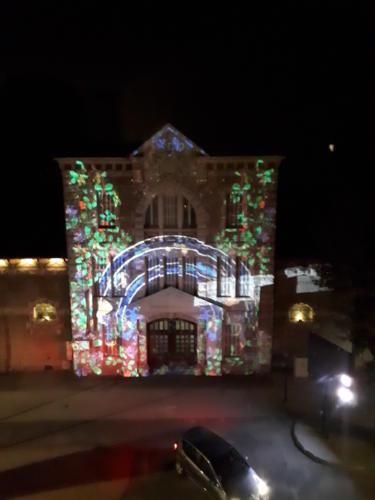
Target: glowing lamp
{"type": "Point", "coordinates": [301, 313]}
{"type": "Point", "coordinates": [56, 262]}
{"type": "Point", "coordinates": [299, 316]}
{"type": "Point", "coordinates": [346, 380]}
{"type": "Point", "coordinates": [262, 486]}
{"type": "Point", "coordinates": [175, 446]}
{"type": "Point", "coordinates": [27, 262]}
{"type": "Point", "coordinates": [3, 263]}
{"type": "Point", "coordinates": [331, 148]}
{"type": "Point", "coordinates": [345, 395]}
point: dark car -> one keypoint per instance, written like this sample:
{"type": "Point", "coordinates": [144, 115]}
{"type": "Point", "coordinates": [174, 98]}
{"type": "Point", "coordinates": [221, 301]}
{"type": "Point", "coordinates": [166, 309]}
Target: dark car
{"type": "Point", "coordinates": [217, 467]}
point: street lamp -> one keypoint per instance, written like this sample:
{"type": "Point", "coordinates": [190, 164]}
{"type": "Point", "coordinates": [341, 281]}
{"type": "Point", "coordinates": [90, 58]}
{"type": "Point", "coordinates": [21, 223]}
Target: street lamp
{"type": "Point", "coordinates": [337, 389]}
{"type": "Point", "coordinates": [345, 395]}
{"type": "Point", "coordinates": [344, 391]}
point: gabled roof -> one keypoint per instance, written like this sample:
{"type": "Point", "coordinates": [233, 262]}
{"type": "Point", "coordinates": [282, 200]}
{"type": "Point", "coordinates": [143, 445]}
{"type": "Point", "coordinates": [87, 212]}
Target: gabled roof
{"type": "Point", "coordinates": [171, 141]}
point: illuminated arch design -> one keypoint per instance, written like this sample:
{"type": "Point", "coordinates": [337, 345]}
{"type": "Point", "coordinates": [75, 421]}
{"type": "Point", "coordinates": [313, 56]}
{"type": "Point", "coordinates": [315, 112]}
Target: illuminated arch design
{"type": "Point", "coordinates": [158, 247]}
{"type": "Point", "coordinates": [125, 315]}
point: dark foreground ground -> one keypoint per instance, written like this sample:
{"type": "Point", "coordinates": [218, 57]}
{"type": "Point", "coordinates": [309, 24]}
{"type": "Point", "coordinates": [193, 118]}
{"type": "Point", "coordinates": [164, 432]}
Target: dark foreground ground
{"type": "Point", "coordinates": [66, 438]}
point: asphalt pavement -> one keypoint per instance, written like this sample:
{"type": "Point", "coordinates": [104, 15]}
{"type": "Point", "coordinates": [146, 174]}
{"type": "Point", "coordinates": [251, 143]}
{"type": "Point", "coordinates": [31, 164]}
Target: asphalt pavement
{"type": "Point", "coordinates": [94, 438]}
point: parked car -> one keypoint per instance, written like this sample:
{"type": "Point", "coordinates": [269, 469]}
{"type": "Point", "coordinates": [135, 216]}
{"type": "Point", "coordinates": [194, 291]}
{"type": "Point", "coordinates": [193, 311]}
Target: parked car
{"type": "Point", "coordinates": [217, 467]}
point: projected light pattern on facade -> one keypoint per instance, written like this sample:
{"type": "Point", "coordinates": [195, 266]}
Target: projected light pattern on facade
{"type": "Point", "coordinates": [118, 288]}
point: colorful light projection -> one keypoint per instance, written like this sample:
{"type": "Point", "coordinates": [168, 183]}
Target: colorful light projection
{"type": "Point", "coordinates": [93, 243]}
{"type": "Point", "coordinates": [308, 278]}
{"type": "Point", "coordinates": [255, 220]}
{"type": "Point", "coordinates": [169, 140]}
{"type": "Point", "coordinates": [131, 326]}
{"type": "Point", "coordinates": [110, 334]}
{"type": "Point", "coordinates": [250, 239]}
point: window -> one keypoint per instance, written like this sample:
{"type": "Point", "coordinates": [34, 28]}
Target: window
{"type": "Point", "coordinates": [159, 344]}
{"type": "Point", "coordinates": [243, 283]}
{"type": "Point", "coordinates": [233, 211]}
{"type": "Point", "coordinates": [232, 340]}
{"type": "Point", "coordinates": [189, 273]}
{"type": "Point", "coordinates": [152, 213]}
{"type": "Point", "coordinates": [170, 211]}
{"type": "Point", "coordinates": [101, 267]}
{"type": "Point", "coordinates": [204, 466]}
{"type": "Point", "coordinates": [188, 214]}
{"type": "Point", "coordinates": [224, 277]}
{"type": "Point", "coordinates": [44, 312]}
{"type": "Point", "coordinates": [190, 451]}
{"type": "Point", "coordinates": [153, 270]}
{"type": "Point", "coordinates": [301, 313]}
{"type": "Point", "coordinates": [171, 269]}
{"type": "Point", "coordinates": [185, 343]}
{"type": "Point", "coordinates": [106, 210]}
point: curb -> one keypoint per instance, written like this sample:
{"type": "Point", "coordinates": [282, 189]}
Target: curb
{"type": "Point", "coordinates": [322, 461]}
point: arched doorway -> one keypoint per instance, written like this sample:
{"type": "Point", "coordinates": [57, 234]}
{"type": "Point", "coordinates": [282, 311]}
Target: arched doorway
{"type": "Point", "coordinates": [171, 343]}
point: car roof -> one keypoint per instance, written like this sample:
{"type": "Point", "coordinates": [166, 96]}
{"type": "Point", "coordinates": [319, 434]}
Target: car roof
{"type": "Point", "coordinates": [209, 443]}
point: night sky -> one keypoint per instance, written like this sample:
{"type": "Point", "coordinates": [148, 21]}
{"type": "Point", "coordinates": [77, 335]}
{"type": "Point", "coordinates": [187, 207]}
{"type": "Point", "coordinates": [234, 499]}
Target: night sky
{"type": "Point", "coordinates": [85, 80]}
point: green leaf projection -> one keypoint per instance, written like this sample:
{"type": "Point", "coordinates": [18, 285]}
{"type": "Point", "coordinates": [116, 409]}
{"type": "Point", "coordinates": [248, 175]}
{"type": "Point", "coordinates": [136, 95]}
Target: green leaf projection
{"type": "Point", "coordinates": [95, 237]}
{"type": "Point", "coordinates": [214, 280]}
{"type": "Point", "coordinates": [249, 240]}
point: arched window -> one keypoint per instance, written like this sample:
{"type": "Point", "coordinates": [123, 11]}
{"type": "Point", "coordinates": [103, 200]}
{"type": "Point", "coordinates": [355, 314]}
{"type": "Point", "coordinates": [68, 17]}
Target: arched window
{"type": "Point", "coordinates": [171, 212]}
{"type": "Point", "coordinates": [301, 313]}
{"type": "Point", "coordinates": [152, 213]}
{"type": "Point", "coordinates": [189, 219]}
{"type": "Point", "coordinates": [44, 312]}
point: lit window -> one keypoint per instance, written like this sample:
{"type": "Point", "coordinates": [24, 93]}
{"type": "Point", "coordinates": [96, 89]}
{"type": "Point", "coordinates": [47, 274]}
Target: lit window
{"type": "Point", "coordinates": [301, 313]}
{"type": "Point", "coordinates": [44, 312]}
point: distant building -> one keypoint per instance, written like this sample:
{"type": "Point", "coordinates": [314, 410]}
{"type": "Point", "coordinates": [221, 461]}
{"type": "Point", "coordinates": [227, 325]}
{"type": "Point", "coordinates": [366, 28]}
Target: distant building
{"type": "Point", "coordinates": [34, 314]}
{"type": "Point", "coordinates": [170, 268]}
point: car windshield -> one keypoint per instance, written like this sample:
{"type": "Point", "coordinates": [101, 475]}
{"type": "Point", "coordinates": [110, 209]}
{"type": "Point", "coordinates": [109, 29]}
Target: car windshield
{"type": "Point", "coordinates": [235, 474]}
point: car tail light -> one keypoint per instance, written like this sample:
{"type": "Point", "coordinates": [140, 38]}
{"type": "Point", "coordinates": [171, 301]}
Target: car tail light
{"type": "Point", "coordinates": [175, 446]}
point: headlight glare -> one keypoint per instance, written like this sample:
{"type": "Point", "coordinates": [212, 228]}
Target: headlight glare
{"type": "Point", "coordinates": [262, 486]}
{"type": "Point", "coordinates": [345, 395]}
{"type": "Point", "coordinates": [346, 380]}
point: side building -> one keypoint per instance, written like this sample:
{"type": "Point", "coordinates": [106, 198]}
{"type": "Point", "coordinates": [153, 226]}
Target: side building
{"type": "Point", "coordinates": [34, 315]}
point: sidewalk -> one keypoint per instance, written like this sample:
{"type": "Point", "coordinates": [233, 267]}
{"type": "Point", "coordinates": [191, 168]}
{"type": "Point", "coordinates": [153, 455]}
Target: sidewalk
{"type": "Point", "coordinates": [351, 441]}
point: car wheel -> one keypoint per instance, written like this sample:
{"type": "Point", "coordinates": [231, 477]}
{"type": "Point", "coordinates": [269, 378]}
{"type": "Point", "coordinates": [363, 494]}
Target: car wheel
{"type": "Point", "coordinates": [179, 469]}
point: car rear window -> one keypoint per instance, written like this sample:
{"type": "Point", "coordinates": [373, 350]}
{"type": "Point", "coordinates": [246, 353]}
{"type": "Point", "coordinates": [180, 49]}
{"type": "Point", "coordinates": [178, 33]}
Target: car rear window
{"type": "Point", "coordinates": [189, 450]}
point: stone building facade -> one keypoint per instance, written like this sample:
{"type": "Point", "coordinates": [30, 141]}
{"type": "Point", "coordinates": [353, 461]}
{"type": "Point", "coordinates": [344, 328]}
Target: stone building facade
{"type": "Point", "coordinates": [34, 315]}
{"type": "Point", "coordinates": [170, 260]}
